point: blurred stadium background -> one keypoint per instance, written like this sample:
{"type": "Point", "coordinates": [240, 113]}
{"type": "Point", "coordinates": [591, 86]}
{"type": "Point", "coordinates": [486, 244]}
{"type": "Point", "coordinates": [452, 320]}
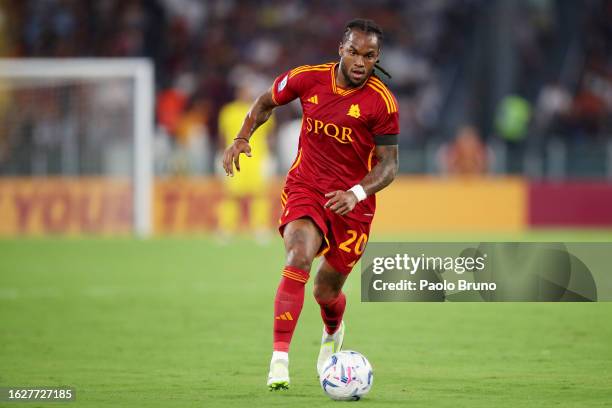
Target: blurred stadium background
{"type": "Point", "coordinates": [506, 110]}
{"type": "Point", "coordinates": [110, 127]}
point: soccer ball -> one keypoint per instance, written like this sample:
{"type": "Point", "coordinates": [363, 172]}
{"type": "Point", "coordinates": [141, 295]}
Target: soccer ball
{"type": "Point", "coordinates": [347, 375]}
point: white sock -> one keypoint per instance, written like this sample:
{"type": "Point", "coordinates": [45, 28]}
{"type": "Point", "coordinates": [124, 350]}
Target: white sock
{"type": "Point", "coordinates": [280, 355]}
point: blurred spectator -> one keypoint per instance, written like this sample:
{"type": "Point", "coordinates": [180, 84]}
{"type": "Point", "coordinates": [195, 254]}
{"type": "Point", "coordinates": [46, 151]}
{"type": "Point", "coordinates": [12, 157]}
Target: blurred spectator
{"type": "Point", "coordinates": [512, 118]}
{"type": "Point", "coordinates": [442, 55]}
{"type": "Point", "coordinates": [588, 112]}
{"type": "Point", "coordinates": [251, 183]}
{"type": "Point", "coordinates": [591, 110]}
{"type": "Point", "coordinates": [466, 155]}
{"type": "Point", "coordinates": [552, 106]}
{"type": "Point", "coordinates": [171, 102]}
{"type": "Point", "coordinates": [193, 138]}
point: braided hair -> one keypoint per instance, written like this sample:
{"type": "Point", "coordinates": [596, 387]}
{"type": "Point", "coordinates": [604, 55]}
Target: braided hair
{"type": "Point", "coordinates": [367, 26]}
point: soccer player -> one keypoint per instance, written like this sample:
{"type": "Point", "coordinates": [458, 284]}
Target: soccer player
{"type": "Point", "coordinates": [347, 152]}
{"type": "Point", "coordinates": [253, 182]}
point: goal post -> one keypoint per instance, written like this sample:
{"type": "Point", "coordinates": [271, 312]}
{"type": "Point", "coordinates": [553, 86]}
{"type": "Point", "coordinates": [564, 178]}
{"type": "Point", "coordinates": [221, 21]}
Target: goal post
{"type": "Point", "coordinates": [140, 73]}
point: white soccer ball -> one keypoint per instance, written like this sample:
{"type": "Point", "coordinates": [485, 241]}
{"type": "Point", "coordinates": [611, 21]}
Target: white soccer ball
{"type": "Point", "coordinates": [347, 375]}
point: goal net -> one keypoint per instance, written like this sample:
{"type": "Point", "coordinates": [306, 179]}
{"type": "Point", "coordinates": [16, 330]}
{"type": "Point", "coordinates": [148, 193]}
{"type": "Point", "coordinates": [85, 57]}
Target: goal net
{"type": "Point", "coordinates": [75, 146]}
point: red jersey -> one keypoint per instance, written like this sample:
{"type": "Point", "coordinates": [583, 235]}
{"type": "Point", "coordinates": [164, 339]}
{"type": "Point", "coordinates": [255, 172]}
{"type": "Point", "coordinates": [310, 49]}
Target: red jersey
{"type": "Point", "coordinates": [339, 131]}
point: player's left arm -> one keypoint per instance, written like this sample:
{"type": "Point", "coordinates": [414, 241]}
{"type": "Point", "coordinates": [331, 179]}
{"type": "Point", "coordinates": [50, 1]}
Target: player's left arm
{"type": "Point", "coordinates": [381, 175]}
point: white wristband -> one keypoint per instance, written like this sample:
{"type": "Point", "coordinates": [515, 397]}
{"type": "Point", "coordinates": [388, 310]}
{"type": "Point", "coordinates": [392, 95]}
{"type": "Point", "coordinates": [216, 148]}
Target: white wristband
{"type": "Point", "coordinates": [359, 192]}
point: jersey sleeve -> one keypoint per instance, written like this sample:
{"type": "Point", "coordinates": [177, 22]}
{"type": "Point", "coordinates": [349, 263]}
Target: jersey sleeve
{"type": "Point", "coordinates": [386, 122]}
{"type": "Point", "coordinates": [287, 87]}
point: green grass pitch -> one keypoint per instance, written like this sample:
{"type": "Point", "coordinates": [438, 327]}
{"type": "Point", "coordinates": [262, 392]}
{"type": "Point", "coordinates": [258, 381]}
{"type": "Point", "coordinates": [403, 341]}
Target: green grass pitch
{"type": "Point", "coordinates": [187, 323]}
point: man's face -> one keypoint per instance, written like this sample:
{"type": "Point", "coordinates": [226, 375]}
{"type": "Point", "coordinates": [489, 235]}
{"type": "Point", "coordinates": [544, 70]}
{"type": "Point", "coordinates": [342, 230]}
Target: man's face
{"type": "Point", "coordinates": [358, 54]}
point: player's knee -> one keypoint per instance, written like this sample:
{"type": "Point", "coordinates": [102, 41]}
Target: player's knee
{"type": "Point", "coordinates": [299, 259]}
{"type": "Point", "coordinates": [302, 241]}
{"type": "Point", "coordinates": [324, 293]}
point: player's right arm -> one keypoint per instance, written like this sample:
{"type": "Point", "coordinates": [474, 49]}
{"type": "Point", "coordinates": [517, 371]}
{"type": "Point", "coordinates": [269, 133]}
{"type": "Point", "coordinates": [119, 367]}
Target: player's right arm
{"type": "Point", "coordinates": [259, 113]}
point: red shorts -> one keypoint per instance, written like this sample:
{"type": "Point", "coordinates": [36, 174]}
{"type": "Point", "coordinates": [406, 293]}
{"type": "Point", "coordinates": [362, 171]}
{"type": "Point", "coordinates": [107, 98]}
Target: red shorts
{"type": "Point", "coordinates": [344, 238]}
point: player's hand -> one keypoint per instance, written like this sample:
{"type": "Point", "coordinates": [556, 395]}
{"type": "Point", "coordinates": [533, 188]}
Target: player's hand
{"type": "Point", "coordinates": [341, 202]}
{"type": "Point", "coordinates": [231, 157]}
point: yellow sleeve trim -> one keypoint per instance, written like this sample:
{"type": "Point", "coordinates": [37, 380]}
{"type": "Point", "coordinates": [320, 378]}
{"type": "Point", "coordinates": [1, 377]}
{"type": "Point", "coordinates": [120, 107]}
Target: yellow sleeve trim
{"type": "Point", "coordinates": [382, 90]}
{"type": "Point", "coordinates": [306, 68]}
{"type": "Point", "coordinates": [383, 97]}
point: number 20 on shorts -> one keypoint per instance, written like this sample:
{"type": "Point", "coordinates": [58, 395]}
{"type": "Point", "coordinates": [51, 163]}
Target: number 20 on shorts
{"type": "Point", "coordinates": [359, 245]}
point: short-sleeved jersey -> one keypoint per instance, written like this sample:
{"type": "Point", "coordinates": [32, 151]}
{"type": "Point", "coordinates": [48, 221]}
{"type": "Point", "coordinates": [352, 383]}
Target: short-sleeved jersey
{"type": "Point", "coordinates": [339, 130]}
